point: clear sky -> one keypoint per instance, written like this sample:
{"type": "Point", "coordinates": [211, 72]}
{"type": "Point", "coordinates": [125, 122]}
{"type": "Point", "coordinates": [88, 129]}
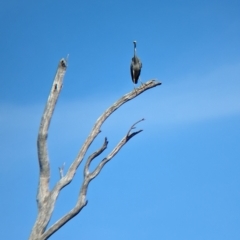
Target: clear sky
{"type": "Point", "coordinates": [177, 180]}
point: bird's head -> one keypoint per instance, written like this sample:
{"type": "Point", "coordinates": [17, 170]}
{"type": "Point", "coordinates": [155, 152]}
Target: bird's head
{"type": "Point", "coordinates": [135, 43]}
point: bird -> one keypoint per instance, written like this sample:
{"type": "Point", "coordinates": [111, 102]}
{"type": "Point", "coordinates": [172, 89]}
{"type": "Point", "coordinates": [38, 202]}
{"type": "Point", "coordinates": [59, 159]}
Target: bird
{"type": "Point", "coordinates": [136, 66]}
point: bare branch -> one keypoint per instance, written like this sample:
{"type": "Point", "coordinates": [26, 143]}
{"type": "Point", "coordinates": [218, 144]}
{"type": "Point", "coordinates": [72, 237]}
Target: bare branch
{"type": "Point", "coordinates": [43, 186]}
{"type": "Point", "coordinates": [82, 202]}
{"type": "Point", "coordinates": [61, 169]}
{"type": "Point", "coordinates": [96, 129]}
{"type": "Point", "coordinates": [47, 199]}
{"type": "Point", "coordinates": [94, 155]}
{"type": "Point", "coordinates": [72, 213]}
{"type": "Point", "coordinates": [43, 130]}
{"type": "Point", "coordinates": [44, 125]}
{"type": "Point", "coordinates": [115, 150]}
{"type": "Point", "coordinates": [133, 127]}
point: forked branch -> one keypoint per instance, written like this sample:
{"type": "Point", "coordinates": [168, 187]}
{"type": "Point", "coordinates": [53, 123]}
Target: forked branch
{"type": "Point", "coordinates": [44, 195]}
{"type": "Point", "coordinates": [47, 198]}
{"type": "Point", "coordinates": [81, 201]}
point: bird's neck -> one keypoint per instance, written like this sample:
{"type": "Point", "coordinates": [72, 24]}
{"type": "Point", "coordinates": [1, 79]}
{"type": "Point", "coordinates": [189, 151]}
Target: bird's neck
{"type": "Point", "coordinates": [135, 53]}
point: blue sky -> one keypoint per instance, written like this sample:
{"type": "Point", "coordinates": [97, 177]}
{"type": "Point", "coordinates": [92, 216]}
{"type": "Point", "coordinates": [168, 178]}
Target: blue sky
{"type": "Point", "coordinates": [179, 178]}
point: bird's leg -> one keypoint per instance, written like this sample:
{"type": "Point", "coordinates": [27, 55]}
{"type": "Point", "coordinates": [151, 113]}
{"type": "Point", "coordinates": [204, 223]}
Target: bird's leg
{"type": "Point", "coordinates": [135, 89]}
{"type": "Point", "coordinates": [141, 81]}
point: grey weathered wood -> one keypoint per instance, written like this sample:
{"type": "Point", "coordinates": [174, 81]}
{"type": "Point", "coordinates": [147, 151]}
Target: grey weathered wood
{"type": "Point", "coordinates": [46, 198]}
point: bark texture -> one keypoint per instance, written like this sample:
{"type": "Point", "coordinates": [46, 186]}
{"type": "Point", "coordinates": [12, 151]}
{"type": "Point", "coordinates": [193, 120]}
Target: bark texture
{"type": "Point", "coordinates": [46, 198]}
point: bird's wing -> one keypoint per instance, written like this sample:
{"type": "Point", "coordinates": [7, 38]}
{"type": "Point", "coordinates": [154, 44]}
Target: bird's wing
{"type": "Point", "coordinates": [137, 74]}
{"type": "Point", "coordinates": [131, 70]}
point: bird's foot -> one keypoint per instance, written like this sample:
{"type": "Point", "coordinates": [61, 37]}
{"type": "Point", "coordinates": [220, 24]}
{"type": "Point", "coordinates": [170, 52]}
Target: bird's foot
{"type": "Point", "coordinates": [135, 91]}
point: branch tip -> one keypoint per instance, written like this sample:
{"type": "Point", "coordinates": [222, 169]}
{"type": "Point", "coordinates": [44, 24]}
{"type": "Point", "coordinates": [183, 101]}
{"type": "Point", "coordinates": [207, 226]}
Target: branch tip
{"type": "Point", "coordinates": [67, 57]}
{"type": "Point", "coordinates": [61, 169]}
{"type": "Point", "coordinates": [129, 134]}
{"type": "Point", "coordinates": [63, 63]}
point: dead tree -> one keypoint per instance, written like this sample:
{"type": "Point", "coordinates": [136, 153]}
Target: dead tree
{"type": "Point", "coordinates": [46, 198]}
